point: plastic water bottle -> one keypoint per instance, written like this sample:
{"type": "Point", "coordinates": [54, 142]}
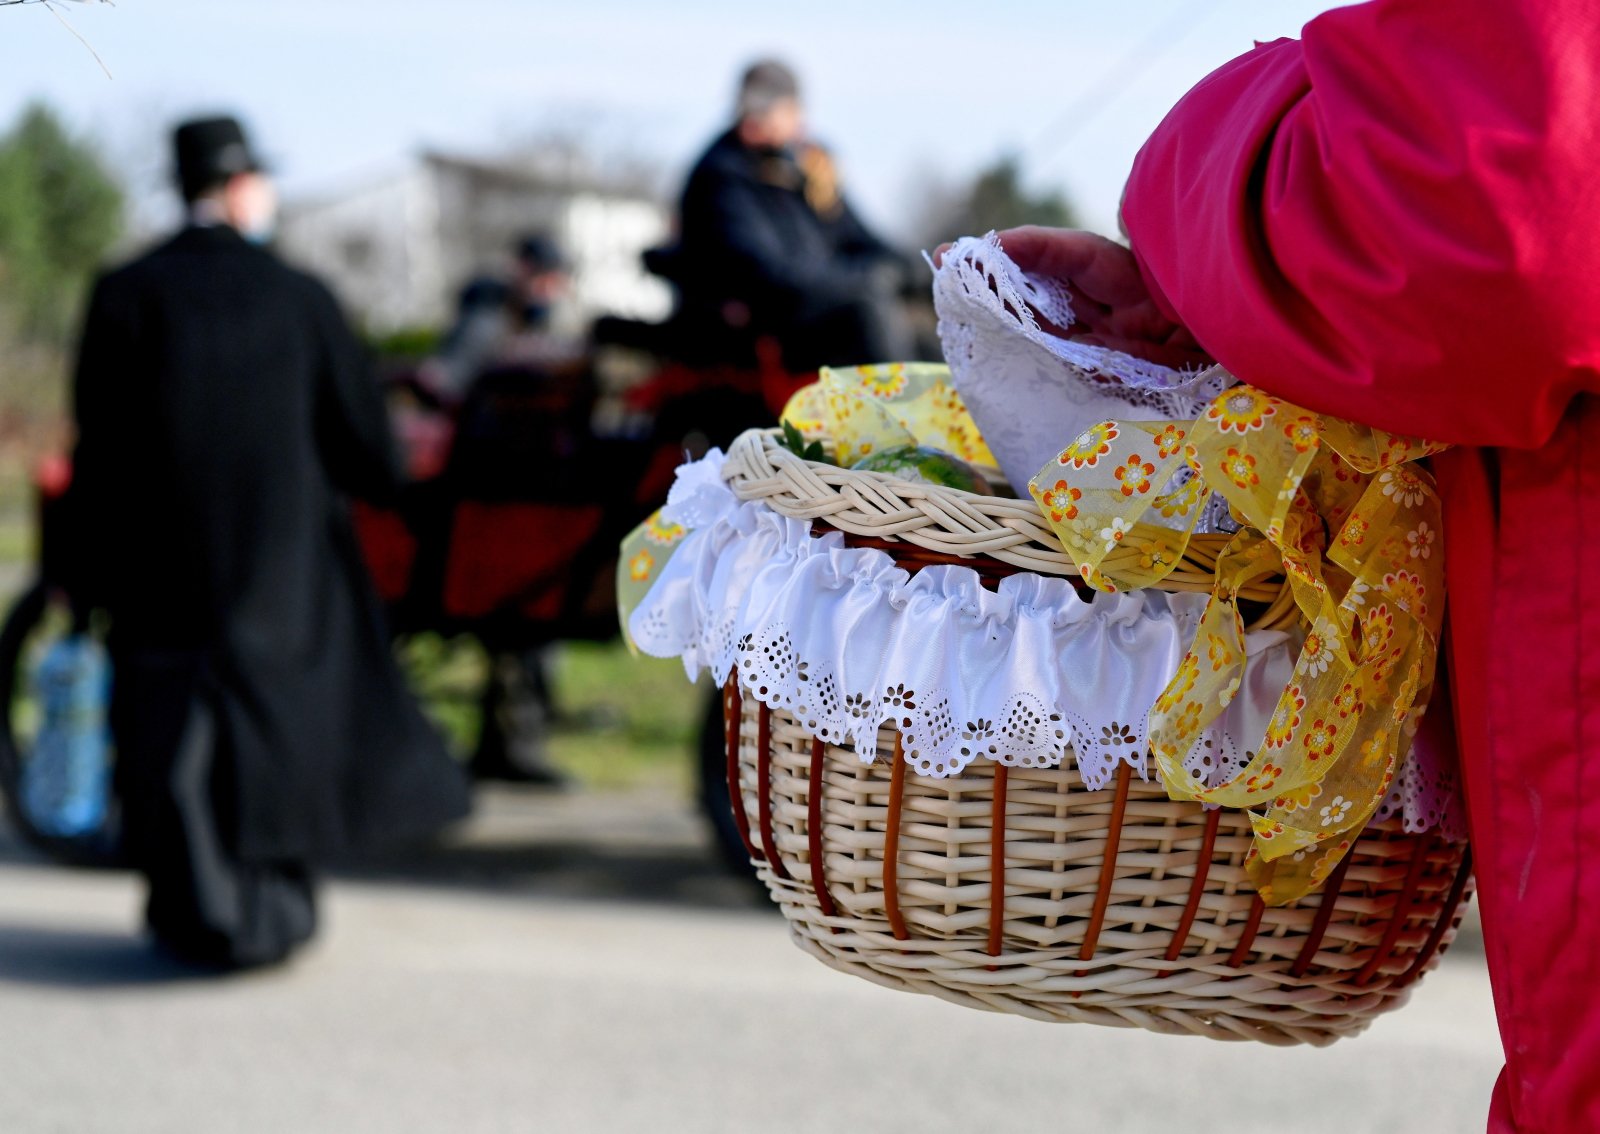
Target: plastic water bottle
{"type": "Point", "coordinates": [66, 779]}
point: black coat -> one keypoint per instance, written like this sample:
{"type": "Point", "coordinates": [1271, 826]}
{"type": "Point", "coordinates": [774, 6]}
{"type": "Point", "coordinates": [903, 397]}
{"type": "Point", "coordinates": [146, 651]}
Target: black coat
{"type": "Point", "coordinates": [747, 232]}
{"type": "Point", "coordinates": [224, 412]}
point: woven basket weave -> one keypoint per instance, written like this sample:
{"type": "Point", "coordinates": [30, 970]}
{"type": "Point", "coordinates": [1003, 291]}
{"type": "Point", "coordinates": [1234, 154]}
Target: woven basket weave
{"type": "Point", "coordinates": [994, 535]}
{"type": "Point", "coordinates": [1118, 906]}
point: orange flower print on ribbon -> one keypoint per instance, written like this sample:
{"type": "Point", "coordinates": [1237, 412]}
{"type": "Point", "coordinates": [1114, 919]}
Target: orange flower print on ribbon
{"type": "Point", "coordinates": [1406, 588]}
{"type": "Point", "coordinates": [1374, 748]}
{"type": "Point", "coordinates": [1169, 441]}
{"type": "Point", "coordinates": [1265, 778]}
{"type": "Point", "coordinates": [1378, 630]}
{"type": "Point", "coordinates": [883, 381]}
{"type": "Point", "coordinates": [1061, 501]}
{"type": "Point", "coordinates": [1408, 693]}
{"type": "Point", "coordinates": [640, 566]}
{"type": "Point", "coordinates": [656, 530]}
{"type": "Point", "coordinates": [1311, 538]}
{"type": "Point", "coordinates": [1180, 501]}
{"type": "Point", "coordinates": [1090, 445]}
{"type": "Point", "coordinates": [1219, 652]}
{"type": "Point", "coordinates": [1182, 682]}
{"type": "Point", "coordinates": [1242, 410]}
{"type": "Point", "coordinates": [1398, 449]}
{"type": "Point", "coordinates": [1154, 555]}
{"type": "Point", "coordinates": [1286, 719]}
{"type": "Point", "coordinates": [1393, 548]}
{"type": "Point", "coordinates": [1188, 722]}
{"type": "Point", "coordinates": [1097, 580]}
{"type": "Point", "coordinates": [1348, 700]}
{"type": "Point", "coordinates": [1134, 473]}
{"type": "Point", "coordinates": [1328, 860]}
{"type": "Point", "coordinates": [1385, 664]}
{"type": "Point", "coordinates": [1298, 799]}
{"type": "Point", "coordinates": [1302, 434]}
{"type": "Point", "coordinates": [1320, 739]}
{"type": "Point", "coordinates": [1240, 467]}
{"type": "Point", "coordinates": [1326, 505]}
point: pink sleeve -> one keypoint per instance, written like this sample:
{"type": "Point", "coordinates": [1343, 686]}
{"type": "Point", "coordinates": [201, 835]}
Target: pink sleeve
{"type": "Point", "coordinates": [1395, 219]}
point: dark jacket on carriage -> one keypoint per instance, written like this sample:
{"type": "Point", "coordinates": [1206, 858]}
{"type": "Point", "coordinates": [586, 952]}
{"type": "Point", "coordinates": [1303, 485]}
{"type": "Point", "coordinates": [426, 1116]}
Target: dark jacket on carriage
{"type": "Point", "coordinates": [768, 229]}
{"type": "Point", "coordinates": [225, 411]}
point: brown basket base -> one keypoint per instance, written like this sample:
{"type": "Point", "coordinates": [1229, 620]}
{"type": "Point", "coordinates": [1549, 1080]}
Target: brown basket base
{"type": "Point", "coordinates": [1120, 905]}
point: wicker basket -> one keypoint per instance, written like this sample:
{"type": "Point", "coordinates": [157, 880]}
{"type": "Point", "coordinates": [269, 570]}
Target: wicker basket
{"type": "Point", "coordinates": [924, 524]}
{"type": "Point", "coordinates": [1120, 906]}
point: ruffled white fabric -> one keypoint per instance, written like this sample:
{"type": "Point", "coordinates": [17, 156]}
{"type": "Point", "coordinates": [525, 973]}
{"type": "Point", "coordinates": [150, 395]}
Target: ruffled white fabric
{"type": "Point", "coordinates": [847, 641]}
{"type": "Point", "coordinates": [1030, 392]}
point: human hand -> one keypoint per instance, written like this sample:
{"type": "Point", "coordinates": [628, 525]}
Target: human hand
{"type": "Point", "coordinates": [1113, 307]}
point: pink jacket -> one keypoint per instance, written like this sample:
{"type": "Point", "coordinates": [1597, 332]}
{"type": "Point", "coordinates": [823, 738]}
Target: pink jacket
{"type": "Point", "coordinates": [1396, 219]}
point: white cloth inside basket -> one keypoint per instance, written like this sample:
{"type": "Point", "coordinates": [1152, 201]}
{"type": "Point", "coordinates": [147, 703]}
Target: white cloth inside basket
{"type": "Point", "coordinates": [1031, 392]}
{"type": "Point", "coordinates": [846, 640]}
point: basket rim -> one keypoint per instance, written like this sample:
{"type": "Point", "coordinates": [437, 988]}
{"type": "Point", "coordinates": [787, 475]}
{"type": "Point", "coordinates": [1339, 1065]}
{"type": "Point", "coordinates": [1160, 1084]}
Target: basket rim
{"type": "Point", "coordinates": [947, 521]}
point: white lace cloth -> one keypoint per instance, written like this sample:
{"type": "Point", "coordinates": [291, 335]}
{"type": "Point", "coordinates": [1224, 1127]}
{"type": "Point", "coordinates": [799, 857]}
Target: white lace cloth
{"type": "Point", "coordinates": [1030, 392]}
{"type": "Point", "coordinates": [846, 641]}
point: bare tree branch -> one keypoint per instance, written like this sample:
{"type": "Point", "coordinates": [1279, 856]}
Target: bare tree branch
{"type": "Point", "coordinates": [56, 12]}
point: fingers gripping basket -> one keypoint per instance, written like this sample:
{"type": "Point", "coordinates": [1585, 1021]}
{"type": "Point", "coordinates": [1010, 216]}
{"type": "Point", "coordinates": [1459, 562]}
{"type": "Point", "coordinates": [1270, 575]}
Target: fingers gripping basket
{"type": "Point", "coordinates": [1021, 889]}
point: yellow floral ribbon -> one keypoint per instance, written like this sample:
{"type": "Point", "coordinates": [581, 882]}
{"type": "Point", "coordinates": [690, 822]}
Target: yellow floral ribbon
{"type": "Point", "coordinates": [859, 410]}
{"type": "Point", "coordinates": [1339, 510]}
{"type": "Point", "coordinates": [644, 552]}
{"type": "Point", "coordinates": [866, 409]}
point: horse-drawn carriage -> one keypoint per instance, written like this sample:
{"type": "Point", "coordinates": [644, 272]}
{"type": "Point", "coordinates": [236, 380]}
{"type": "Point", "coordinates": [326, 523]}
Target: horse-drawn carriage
{"type": "Point", "coordinates": [506, 533]}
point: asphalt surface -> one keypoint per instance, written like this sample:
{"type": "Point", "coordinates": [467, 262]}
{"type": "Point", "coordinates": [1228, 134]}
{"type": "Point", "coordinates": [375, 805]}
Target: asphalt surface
{"type": "Point", "coordinates": [583, 964]}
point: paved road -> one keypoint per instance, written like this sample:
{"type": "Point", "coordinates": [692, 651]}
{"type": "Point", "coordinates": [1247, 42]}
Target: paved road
{"type": "Point", "coordinates": [476, 988]}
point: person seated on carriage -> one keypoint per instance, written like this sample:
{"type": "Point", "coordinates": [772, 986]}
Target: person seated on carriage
{"type": "Point", "coordinates": [505, 321]}
{"type": "Point", "coordinates": [770, 247]}
{"type": "Point", "coordinates": [521, 395]}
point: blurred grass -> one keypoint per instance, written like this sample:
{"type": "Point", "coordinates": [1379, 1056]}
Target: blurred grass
{"type": "Point", "coordinates": [627, 724]}
{"type": "Point", "coordinates": [17, 534]}
{"type": "Point", "coordinates": [642, 718]}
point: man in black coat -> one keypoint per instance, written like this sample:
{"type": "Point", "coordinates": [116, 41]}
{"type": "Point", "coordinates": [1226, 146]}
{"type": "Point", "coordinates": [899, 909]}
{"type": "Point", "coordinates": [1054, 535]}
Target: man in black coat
{"type": "Point", "coordinates": [224, 412]}
{"type": "Point", "coordinates": [767, 239]}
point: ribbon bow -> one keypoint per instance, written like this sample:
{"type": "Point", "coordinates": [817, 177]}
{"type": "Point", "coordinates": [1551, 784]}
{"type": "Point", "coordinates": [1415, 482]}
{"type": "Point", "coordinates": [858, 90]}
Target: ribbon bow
{"type": "Point", "coordinates": [1342, 512]}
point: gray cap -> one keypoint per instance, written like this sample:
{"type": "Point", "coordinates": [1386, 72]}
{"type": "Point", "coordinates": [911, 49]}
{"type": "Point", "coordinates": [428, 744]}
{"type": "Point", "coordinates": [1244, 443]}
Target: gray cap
{"type": "Point", "coordinates": [764, 84]}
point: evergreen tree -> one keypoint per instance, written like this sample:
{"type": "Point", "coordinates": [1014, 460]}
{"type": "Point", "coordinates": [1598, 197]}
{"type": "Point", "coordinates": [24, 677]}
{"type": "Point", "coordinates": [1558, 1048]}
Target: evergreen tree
{"type": "Point", "coordinates": [998, 200]}
{"type": "Point", "coordinates": [60, 213]}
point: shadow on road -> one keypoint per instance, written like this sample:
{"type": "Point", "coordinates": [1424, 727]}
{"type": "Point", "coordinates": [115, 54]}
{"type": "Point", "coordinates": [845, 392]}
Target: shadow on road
{"type": "Point", "coordinates": [569, 869]}
{"type": "Point", "coordinates": [86, 959]}
{"type": "Point", "coordinates": [650, 847]}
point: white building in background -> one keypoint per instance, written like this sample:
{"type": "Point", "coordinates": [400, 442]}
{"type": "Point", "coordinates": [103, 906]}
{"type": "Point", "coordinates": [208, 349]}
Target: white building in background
{"type": "Point", "coordinates": [398, 249]}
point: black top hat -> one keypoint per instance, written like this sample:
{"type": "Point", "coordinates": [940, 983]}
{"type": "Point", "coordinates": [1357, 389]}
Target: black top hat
{"type": "Point", "coordinates": [209, 151]}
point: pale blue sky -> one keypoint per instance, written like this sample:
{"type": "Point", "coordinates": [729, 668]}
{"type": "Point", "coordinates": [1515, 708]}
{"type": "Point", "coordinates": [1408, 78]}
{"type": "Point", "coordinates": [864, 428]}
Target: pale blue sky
{"type": "Point", "coordinates": [338, 90]}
